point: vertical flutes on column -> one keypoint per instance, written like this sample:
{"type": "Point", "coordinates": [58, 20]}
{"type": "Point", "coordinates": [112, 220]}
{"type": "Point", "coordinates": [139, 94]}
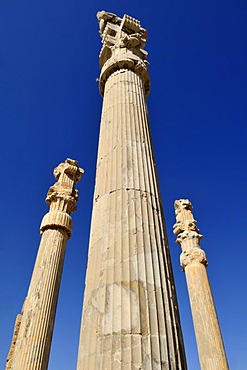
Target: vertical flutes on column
{"type": "Point", "coordinates": [194, 262]}
{"type": "Point", "coordinates": [33, 330]}
{"type": "Point", "coordinates": [130, 314]}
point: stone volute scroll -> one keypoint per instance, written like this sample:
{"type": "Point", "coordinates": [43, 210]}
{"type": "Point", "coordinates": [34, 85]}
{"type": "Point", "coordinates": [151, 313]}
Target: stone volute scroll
{"type": "Point", "coordinates": [123, 42]}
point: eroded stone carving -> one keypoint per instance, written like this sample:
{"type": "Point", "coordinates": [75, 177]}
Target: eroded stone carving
{"type": "Point", "coordinates": [123, 47]}
{"type": "Point", "coordinates": [193, 255]}
{"type": "Point", "coordinates": [193, 260]}
{"type": "Point", "coordinates": [188, 236]}
{"type": "Point", "coordinates": [130, 312]}
{"type": "Point", "coordinates": [30, 347]}
{"type": "Point", "coordinates": [62, 196]}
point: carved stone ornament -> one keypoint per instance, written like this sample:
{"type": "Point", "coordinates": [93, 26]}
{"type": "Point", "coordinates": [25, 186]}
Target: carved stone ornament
{"type": "Point", "coordinates": [188, 236]}
{"type": "Point", "coordinates": [184, 216]}
{"type": "Point", "coordinates": [193, 255]}
{"type": "Point", "coordinates": [62, 196]}
{"type": "Point", "coordinates": [31, 343]}
{"type": "Point", "coordinates": [123, 47]}
{"type": "Point", "coordinates": [193, 260]}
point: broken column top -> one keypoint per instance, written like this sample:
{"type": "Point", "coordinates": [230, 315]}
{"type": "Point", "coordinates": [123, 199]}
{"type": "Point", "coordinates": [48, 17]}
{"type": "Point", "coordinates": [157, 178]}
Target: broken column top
{"type": "Point", "coordinates": [67, 174]}
{"type": "Point", "coordinates": [123, 42]}
{"type": "Point", "coordinates": [62, 197]}
{"type": "Point", "coordinates": [184, 216]}
{"type": "Point", "coordinates": [185, 227]}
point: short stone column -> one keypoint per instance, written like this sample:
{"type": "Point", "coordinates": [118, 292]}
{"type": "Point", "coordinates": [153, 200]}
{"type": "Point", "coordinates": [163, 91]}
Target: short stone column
{"type": "Point", "coordinates": [32, 337]}
{"type": "Point", "coordinates": [193, 260]}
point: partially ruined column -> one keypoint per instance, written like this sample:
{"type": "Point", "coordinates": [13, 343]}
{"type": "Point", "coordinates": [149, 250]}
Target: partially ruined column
{"type": "Point", "coordinates": [130, 313]}
{"type": "Point", "coordinates": [32, 337]}
{"type": "Point", "coordinates": [193, 260]}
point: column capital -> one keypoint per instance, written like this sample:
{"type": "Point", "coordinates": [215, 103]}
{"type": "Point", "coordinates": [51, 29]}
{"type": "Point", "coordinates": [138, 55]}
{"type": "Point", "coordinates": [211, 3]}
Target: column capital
{"type": "Point", "coordinates": [188, 234]}
{"type": "Point", "coordinates": [123, 42]}
{"type": "Point", "coordinates": [193, 255]}
{"type": "Point", "coordinates": [62, 196]}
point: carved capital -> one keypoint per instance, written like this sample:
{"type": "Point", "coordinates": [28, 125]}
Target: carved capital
{"type": "Point", "coordinates": [184, 217]}
{"type": "Point", "coordinates": [189, 239]}
{"type": "Point", "coordinates": [193, 255]}
{"type": "Point", "coordinates": [62, 197]}
{"type": "Point", "coordinates": [188, 236]}
{"type": "Point", "coordinates": [57, 219]}
{"type": "Point", "coordinates": [185, 227]}
{"type": "Point", "coordinates": [67, 174]}
{"type": "Point", "coordinates": [123, 42]}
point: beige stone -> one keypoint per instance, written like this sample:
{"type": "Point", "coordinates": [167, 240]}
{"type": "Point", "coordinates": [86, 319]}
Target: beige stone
{"type": "Point", "coordinates": [32, 337]}
{"type": "Point", "coordinates": [130, 313]}
{"type": "Point", "coordinates": [193, 260]}
{"type": "Point", "coordinates": [14, 339]}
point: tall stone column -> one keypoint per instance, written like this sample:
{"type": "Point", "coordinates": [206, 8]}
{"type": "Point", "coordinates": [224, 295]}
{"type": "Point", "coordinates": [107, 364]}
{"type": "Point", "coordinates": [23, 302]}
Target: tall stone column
{"type": "Point", "coordinates": [194, 262]}
{"type": "Point", "coordinates": [32, 337]}
{"type": "Point", "coordinates": [130, 313]}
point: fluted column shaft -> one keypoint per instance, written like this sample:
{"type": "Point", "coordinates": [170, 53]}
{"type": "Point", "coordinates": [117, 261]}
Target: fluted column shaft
{"type": "Point", "coordinates": [31, 343]}
{"type": "Point", "coordinates": [34, 338]}
{"type": "Point", "coordinates": [208, 335]}
{"type": "Point", "coordinates": [130, 318]}
{"type": "Point", "coordinates": [193, 260]}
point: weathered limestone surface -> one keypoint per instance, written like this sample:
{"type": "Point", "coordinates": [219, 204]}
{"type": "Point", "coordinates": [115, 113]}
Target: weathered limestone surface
{"type": "Point", "coordinates": [31, 342]}
{"type": "Point", "coordinates": [193, 261]}
{"type": "Point", "coordinates": [130, 314]}
{"type": "Point", "coordinates": [14, 339]}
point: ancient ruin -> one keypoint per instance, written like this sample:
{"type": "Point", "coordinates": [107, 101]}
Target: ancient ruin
{"type": "Point", "coordinates": [33, 330]}
{"type": "Point", "coordinates": [130, 316]}
{"type": "Point", "coordinates": [194, 262]}
{"type": "Point", "coordinates": [130, 312]}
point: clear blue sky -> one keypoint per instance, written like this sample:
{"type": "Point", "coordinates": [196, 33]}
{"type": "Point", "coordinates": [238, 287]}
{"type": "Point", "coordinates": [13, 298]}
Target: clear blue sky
{"type": "Point", "coordinates": [50, 110]}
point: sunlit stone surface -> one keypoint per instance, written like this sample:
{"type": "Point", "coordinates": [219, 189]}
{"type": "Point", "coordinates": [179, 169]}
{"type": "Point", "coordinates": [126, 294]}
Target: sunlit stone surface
{"type": "Point", "coordinates": [32, 337]}
{"type": "Point", "coordinates": [130, 314]}
{"type": "Point", "coordinates": [193, 261]}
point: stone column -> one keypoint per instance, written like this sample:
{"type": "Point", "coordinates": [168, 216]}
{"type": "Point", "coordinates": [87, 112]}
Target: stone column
{"type": "Point", "coordinates": [31, 343]}
{"type": "Point", "coordinates": [130, 313]}
{"type": "Point", "coordinates": [194, 262]}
